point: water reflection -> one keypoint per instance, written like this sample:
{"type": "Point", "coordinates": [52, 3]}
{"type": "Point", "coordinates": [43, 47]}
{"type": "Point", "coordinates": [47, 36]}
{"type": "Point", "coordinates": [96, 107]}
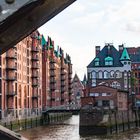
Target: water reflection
{"type": "Point", "coordinates": [69, 130]}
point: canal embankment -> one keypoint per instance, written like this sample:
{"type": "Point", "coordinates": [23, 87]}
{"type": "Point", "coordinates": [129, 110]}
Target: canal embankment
{"type": "Point", "coordinates": [94, 121]}
{"type": "Point", "coordinates": [28, 123]}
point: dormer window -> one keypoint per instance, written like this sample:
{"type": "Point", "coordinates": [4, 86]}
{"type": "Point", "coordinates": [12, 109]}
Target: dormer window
{"type": "Point", "coordinates": [108, 61]}
{"type": "Point", "coordinates": [96, 61]}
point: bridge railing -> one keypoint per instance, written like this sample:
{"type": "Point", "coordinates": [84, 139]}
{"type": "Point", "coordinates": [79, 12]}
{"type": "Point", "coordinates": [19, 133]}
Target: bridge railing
{"type": "Point", "coordinates": [63, 107]}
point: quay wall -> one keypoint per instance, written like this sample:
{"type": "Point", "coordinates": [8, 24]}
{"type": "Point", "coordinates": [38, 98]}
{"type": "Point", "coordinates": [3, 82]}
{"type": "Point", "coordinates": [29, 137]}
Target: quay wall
{"type": "Point", "coordinates": [95, 122]}
{"type": "Point", "coordinates": [23, 124]}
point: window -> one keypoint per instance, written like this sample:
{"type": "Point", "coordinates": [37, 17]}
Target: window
{"type": "Point", "coordinates": [90, 75]}
{"type": "Point", "coordinates": [116, 84]}
{"type": "Point", "coordinates": [118, 74]}
{"type": "Point", "coordinates": [94, 75]}
{"type": "Point", "coordinates": [108, 61]}
{"type": "Point", "coordinates": [100, 75]}
{"type": "Point", "coordinates": [125, 63]}
{"type": "Point", "coordinates": [106, 103]}
{"type": "Point", "coordinates": [112, 74]}
{"type": "Point", "coordinates": [104, 94]}
{"type": "Point", "coordinates": [96, 94]}
{"type": "Point", "coordinates": [106, 75]}
{"type": "Point", "coordinates": [93, 83]}
{"type": "Point", "coordinates": [125, 82]}
{"type": "Point", "coordinates": [96, 61]}
{"type": "Point", "coordinates": [136, 75]}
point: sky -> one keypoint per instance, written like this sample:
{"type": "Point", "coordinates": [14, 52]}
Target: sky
{"type": "Point", "coordinates": [89, 23]}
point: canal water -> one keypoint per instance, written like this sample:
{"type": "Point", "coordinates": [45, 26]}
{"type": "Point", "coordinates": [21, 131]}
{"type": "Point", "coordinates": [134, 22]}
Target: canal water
{"type": "Point", "coordinates": [69, 130]}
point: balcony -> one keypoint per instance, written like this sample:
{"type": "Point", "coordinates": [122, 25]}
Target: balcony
{"type": "Point", "coordinates": [35, 49]}
{"type": "Point", "coordinates": [52, 67]}
{"type": "Point", "coordinates": [52, 87]}
{"type": "Point", "coordinates": [63, 90]}
{"type": "Point", "coordinates": [52, 74]}
{"type": "Point", "coordinates": [10, 109]}
{"type": "Point", "coordinates": [62, 67]}
{"type": "Point", "coordinates": [35, 75]}
{"type": "Point", "coordinates": [63, 85]}
{"type": "Point", "coordinates": [11, 94]}
{"type": "Point", "coordinates": [63, 78]}
{"type": "Point", "coordinates": [52, 81]}
{"type": "Point", "coordinates": [35, 84]}
{"type": "Point", "coordinates": [11, 67]}
{"type": "Point", "coordinates": [11, 55]}
{"type": "Point", "coordinates": [11, 78]}
{"type": "Point", "coordinates": [35, 96]}
{"type": "Point", "coordinates": [35, 66]}
{"type": "Point", "coordinates": [35, 58]}
{"type": "Point", "coordinates": [63, 73]}
{"type": "Point", "coordinates": [70, 93]}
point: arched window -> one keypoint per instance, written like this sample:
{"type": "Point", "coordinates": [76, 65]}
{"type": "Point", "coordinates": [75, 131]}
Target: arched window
{"type": "Point", "coordinates": [112, 74]}
{"type": "Point", "coordinates": [100, 74]}
{"type": "Point", "coordinates": [93, 74]}
{"type": "Point", "coordinates": [118, 74]}
{"type": "Point", "coordinates": [106, 74]}
{"type": "Point", "coordinates": [108, 61]}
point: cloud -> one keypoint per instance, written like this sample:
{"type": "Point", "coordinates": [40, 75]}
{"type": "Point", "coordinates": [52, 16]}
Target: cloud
{"type": "Point", "coordinates": [88, 23]}
{"type": "Point", "coordinates": [90, 19]}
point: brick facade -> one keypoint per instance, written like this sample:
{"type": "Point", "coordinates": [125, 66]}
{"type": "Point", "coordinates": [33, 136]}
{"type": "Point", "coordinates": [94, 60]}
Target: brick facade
{"type": "Point", "coordinates": [77, 91]}
{"type": "Point", "coordinates": [33, 77]}
{"type": "Point", "coordinates": [20, 79]}
{"type": "Point", "coordinates": [108, 97]}
{"type": "Point", "coordinates": [56, 76]}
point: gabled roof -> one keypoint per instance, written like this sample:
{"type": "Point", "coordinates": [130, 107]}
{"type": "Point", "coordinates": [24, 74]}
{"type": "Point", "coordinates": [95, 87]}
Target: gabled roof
{"type": "Point", "coordinates": [107, 51]}
{"type": "Point", "coordinates": [125, 55]}
{"type": "Point", "coordinates": [43, 41]}
{"type": "Point", "coordinates": [76, 79]}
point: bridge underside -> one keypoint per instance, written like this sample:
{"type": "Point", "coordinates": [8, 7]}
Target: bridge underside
{"type": "Point", "coordinates": [73, 111]}
{"type": "Point", "coordinates": [27, 19]}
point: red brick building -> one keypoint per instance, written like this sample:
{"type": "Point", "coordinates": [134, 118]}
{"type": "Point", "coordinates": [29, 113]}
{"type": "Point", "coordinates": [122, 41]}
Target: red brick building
{"type": "Point", "coordinates": [33, 76]}
{"type": "Point", "coordinates": [109, 98]}
{"type": "Point", "coordinates": [56, 75]}
{"type": "Point", "coordinates": [135, 66]}
{"type": "Point", "coordinates": [21, 80]}
{"type": "Point", "coordinates": [77, 91]}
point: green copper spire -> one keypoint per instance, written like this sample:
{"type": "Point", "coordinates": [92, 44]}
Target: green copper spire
{"type": "Point", "coordinates": [43, 42]}
{"type": "Point", "coordinates": [125, 55]}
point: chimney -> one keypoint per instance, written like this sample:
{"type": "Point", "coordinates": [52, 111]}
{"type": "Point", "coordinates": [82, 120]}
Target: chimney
{"type": "Point", "coordinates": [121, 48]}
{"type": "Point", "coordinates": [97, 49]}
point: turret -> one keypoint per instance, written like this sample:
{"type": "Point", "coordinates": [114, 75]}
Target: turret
{"type": "Point", "coordinates": [125, 59]}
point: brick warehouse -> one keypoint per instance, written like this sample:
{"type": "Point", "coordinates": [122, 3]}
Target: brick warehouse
{"type": "Point", "coordinates": [20, 80]}
{"type": "Point", "coordinates": [33, 77]}
{"type": "Point", "coordinates": [57, 76]}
